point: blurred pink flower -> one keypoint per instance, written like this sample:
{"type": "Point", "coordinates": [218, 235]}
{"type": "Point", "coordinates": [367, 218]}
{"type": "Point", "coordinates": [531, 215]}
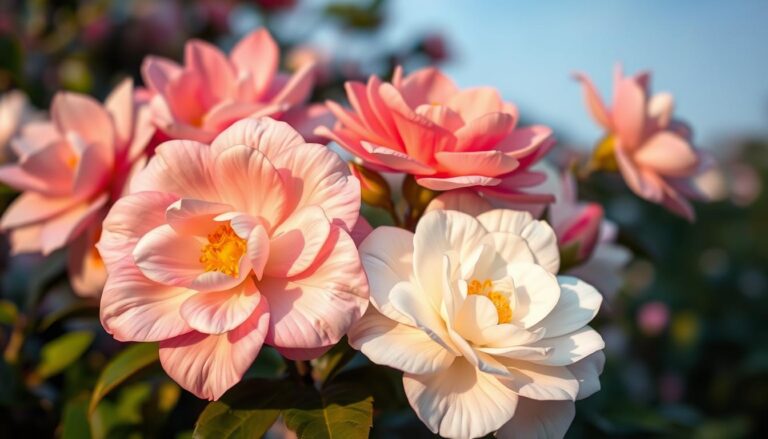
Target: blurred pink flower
{"type": "Point", "coordinates": [71, 169]}
{"type": "Point", "coordinates": [211, 90]}
{"type": "Point", "coordinates": [222, 248]}
{"type": "Point", "coordinates": [577, 224]}
{"type": "Point", "coordinates": [300, 57]}
{"type": "Point", "coordinates": [652, 150]}
{"type": "Point", "coordinates": [447, 138]}
{"type": "Point", "coordinates": [653, 318]}
{"type": "Point", "coordinates": [15, 111]}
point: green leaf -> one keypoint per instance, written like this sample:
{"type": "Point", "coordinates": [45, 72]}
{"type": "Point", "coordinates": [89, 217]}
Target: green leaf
{"type": "Point", "coordinates": [125, 365]}
{"type": "Point", "coordinates": [334, 360]}
{"type": "Point", "coordinates": [8, 312]}
{"type": "Point", "coordinates": [75, 420]}
{"type": "Point", "coordinates": [246, 411]}
{"type": "Point", "coordinates": [340, 410]}
{"type": "Point", "coordinates": [63, 351]}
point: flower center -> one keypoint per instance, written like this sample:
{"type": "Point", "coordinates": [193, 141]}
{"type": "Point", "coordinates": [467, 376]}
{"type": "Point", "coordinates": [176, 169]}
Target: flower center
{"type": "Point", "coordinates": [223, 251]}
{"type": "Point", "coordinates": [499, 300]}
{"type": "Point", "coordinates": [604, 157]}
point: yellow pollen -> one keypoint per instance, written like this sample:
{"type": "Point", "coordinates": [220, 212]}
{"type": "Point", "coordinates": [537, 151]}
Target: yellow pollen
{"type": "Point", "coordinates": [604, 157]}
{"type": "Point", "coordinates": [223, 251]}
{"type": "Point", "coordinates": [72, 162]}
{"type": "Point", "coordinates": [499, 300]}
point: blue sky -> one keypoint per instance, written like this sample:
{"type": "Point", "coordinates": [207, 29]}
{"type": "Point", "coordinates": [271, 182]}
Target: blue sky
{"type": "Point", "coordinates": [711, 54]}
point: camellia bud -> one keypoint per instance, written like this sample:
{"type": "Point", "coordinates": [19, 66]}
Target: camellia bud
{"type": "Point", "coordinates": [417, 196]}
{"type": "Point", "coordinates": [374, 189]}
{"type": "Point", "coordinates": [578, 237]}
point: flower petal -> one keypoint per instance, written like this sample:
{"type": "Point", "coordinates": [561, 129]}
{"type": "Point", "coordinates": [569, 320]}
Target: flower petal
{"type": "Point", "coordinates": [297, 242]}
{"type": "Point", "coordinates": [218, 312]}
{"type": "Point", "coordinates": [541, 382]}
{"type": "Point", "coordinates": [539, 420]}
{"type": "Point", "coordinates": [578, 305]}
{"type": "Point", "coordinates": [570, 348]}
{"type": "Point", "coordinates": [318, 307]}
{"type": "Point", "coordinates": [463, 200]}
{"type": "Point", "coordinates": [540, 237]}
{"type": "Point", "coordinates": [451, 183]}
{"type": "Point", "coordinates": [594, 102]}
{"type": "Point", "coordinates": [536, 293]}
{"type": "Point", "coordinates": [385, 341]}
{"type": "Point", "coordinates": [588, 371]}
{"type": "Point", "coordinates": [208, 365]}
{"type": "Point", "coordinates": [668, 154]}
{"type": "Point", "coordinates": [163, 173]}
{"type": "Point", "coordinates": [258, 45]}
{"type": "Point", "coordinates": [460, 401]}
{"type": "Point", "coordinates": [188, 216]}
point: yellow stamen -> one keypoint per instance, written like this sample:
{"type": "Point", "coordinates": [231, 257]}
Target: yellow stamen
{"type": "Point", "coordinates": [604, 156]}
{"type": "Point", "coordinates": [499, 300]}
{"type": "Point", "coordinates": [223, 251]}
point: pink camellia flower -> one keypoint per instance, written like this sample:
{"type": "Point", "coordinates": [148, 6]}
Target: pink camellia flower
{"type": "Point", "coordinates": [211, 90]}
{"type": "Point", "coordinates": [652, 150]}
{"type": "Point", "coordinates": [221, 248]}
{"type": "Point", "coordinates": [71, 169]}
{"type": "Point", "coordinates": [446, 138]}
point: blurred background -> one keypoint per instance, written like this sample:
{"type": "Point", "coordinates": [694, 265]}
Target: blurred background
{"type": "Point", "coordinates": [687, 336]}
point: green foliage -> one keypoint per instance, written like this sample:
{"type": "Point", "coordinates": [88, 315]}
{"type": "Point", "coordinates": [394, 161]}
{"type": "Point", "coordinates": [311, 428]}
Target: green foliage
{"type": "Point", "coordinates": [61, 352]}
{"type": "Point", "coordinates": [8, 312]}
{"type": "Point", "coordinates": [126, 364]}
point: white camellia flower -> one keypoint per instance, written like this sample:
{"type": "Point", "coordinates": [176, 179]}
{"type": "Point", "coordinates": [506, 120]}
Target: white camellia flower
{"type": "Point", "coordinates": [488, 337]}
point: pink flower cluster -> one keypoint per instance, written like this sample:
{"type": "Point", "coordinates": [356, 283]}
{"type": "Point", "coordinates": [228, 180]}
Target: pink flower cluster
{"type": "Point", "coordinates": [238, 232]}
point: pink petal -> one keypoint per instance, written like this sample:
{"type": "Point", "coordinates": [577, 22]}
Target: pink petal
{"type": "Point", "coordinates": [450, 183]}
{"type": "Point", "coordinates": [26, 239]}
{"type": "Point", "coordinates": [130, 218]}
{"type": "Point", "coordinates": [594, 102]}
{"type": "Point", "coordinates": [397, 160]}
{"type": "Point", "coordinates": [169, 258]}
{"type": "Point", "coordinates": [92, 172]}
{"type": "Point", "coordinates": [258, 249]}
{"type": "Point", "coordinates": [359, 100]}
{"type": "Point", "coordinates": [258, 54]}
{"type": "Point", "coordinates": [187, 99]}
{"type": "Point", "coordinates": [297, 242]}
{"type": "Point", "coordinates": [163, 173]}
{"type": "Point", "coordinates": [65, 227]}
{"type": "Point", "coordinates": [119, 104]}
{"type": "Point", "coordinates": [643, 183]}
{"type": "Point", "coordinates": [217, 312]}
{"type": "Point", "coordinates": [317, 308]}
{"type": "Point", "coordinates": [488, 163]}
{"type": "Point", "coordinates": [668, 154]}
{"type": "Point", "coordinates": [208, 365]}
{"type": "Point", "coordinates": [325, 181]}
{"type": "Point", "coordinates": [188, 216]}
{"type": "Point", "coordinates": [298, 88]}
{"type": "Point", "coordinates": [86, 117]}
{"type": "Point", "coordinates": [86, 270]}
{"type": "Point", "coordinates": [306, 120]}
{"type": "Point", "coordinates": [213, 67]}
{"type": "Point", "coordinates": [660, 110]}
{"type": "Point", "coordinates": [474, 103]}
{"type": "Point", "coordinates": [361, 230]}
{"type": "Point", "coordinates": [238, 164]}
{"type": "Point", "coordinates": [441, 115]}
{"type": "Point", "coordinates": [523, 142]}
{"type": "Point", "coordinates": [134, 308]}
{"type": "Point", "coordinates": [33, 136]}
{"type": "Point", "coordinates": [49, 169]}
{"type": "Point", "coordinates": [427, 86]}
{"type": "Point", "coordinates": [676, 203]}
{"type": "Point", "coordinates": [269, 136]}
{"type": "Point", "coordinates": [157, 72]}
{"type": "Point", "coordinates": [227, 112]}
{"type": "Point", "coordinates": [31, 207]}
{"type": "Point", "coordinates": [379, 108]}
{"type": "Point", "coordinates": [629, 113]}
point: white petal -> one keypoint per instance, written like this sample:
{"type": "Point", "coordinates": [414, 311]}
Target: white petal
{"type": "Point", "coordinates": [539, 420]}
{"type": "Point", "coordinates": [536, 293]}
{"type": "Point", "coordinates": [588, 371]}
{"type": "Point", "coordinates": [438, 233]}
{"type": "Point", "coordinates": [412, 305]}
{"type": "Point", "coordinates": [460, 401]}
{"type": "Point", "coordinates": [387, 255]}
{"type": "Point", "coordinates": [541, 382]}
{"type": "Point", "coordinates": [570, 348]}
{"type": "Point", "coordinates": [578, 305]}
{"type": "Point", "coordinates": [539, 235]}
{"type": "Point", "coordinates": [385, 341]}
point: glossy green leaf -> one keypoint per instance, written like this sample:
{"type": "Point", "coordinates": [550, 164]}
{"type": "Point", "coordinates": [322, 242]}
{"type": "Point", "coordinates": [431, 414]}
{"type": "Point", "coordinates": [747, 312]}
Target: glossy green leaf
{"type": "Point", "coordinates": [247, 411]}
{"type": "Point", "coordinates": [340, 410]}
{"type": "Point", "coordinates": [80, 308]}
{"type": "Point", "coordinates": [126, 364]}
{"type": "Point", "coordinates": [56, 355]}
{"type": "Point", "coordinates": [333, 361]}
